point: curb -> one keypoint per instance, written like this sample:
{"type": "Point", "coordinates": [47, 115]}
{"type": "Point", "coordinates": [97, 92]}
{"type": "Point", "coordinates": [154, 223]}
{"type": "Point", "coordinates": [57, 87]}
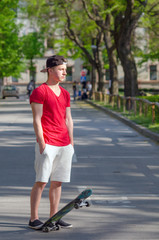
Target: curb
{"type": "Point", "coordinates": [144, 131]}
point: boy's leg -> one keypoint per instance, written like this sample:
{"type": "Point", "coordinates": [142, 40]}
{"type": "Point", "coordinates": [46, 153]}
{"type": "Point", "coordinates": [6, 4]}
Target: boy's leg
{"type": "Point", "coordinates": [61, 171]}
{"type": "Point", "coordinates": [35, 199]}
{"type": "Point", "coordinates": [54, 196]}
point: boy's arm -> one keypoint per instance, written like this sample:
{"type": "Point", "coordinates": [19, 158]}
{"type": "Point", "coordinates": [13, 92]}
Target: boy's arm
{"type": "Point", "coordinates": [69, 124]}
{"type": "Point", "coordinates": [37, 110]}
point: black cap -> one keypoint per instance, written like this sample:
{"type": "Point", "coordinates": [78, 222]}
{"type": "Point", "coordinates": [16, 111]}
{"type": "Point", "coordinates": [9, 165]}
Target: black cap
{"type": "Point", "coordinates": [54, 61]}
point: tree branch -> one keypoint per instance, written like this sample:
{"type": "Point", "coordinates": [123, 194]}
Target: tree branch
{"type": "Point", "coordinates": [95, 17]}
{"type": "Point", "coordinates": [91, 16]}
{"type": "Point", "coordinates": [73, 36]}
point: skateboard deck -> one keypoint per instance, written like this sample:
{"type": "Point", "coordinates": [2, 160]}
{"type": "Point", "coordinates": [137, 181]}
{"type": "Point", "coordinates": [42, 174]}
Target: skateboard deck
{"type": "Point", "coordinates": [78, 202]}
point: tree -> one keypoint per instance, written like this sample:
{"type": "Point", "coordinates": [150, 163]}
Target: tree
{"type": "Point", "coordinates": [67, 18]}
{"type": "Point", "coordinates": [126, 20]}
{"type": "Point", "coordinates": [150, 21]}
{"type": "Point", "coordinates": [112, 22]}
{"type": "Point", "coordinates": [10, 46]}
{"type": "Point", "coordinates": [88, 38]}
{"type": "Point", "coordinates": [32, 46]}
{"type": "Point", "coordinates": [118, 20]}
{"type": "Point", "coordinates": [100, 13]}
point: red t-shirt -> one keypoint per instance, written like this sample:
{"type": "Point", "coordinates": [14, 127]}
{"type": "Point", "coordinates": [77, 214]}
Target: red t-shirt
{"type": "Point", "coordinates": [54, 114]}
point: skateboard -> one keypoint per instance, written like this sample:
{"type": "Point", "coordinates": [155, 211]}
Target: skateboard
{"type": "Point", "coordinates": [77, 203]}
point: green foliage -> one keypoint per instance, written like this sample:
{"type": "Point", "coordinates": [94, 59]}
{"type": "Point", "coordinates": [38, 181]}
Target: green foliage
{"type": "Point", "coordinates": [154, 98]}
{"type": "Point", "coordinates": [33, 45]}
{"type": "Point", "coordinates": [67, 48]}
{"type": "Point", "coordinates": [10, 46]}
{"type": "Point", "coordinates": [52, 20]}
{"type": "Point", "coordinates": [52, 17]}
{"type": "Point", "coordinates": [150, 21]}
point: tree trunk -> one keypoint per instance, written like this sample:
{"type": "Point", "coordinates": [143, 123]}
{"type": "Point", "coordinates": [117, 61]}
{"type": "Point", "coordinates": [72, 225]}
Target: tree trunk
{"type": "Point", "coordinates": [123, 45]}
{"type": "Point", "coordinates": [113, 73]}
{"type": "Point", "coordinates": [129, 67]}
{"type": "Point", "coordinates": [93, 78]}
{"type": "Point", "coordinates": [101, 85]}
{"type": "Point", "coordinates": [111, 57]}
{"type": "Point", "coordinates": [32, 72]}
{"type": "Point", "coordinates": [100, 70]}
{"type": "Point", "coordinates": [125, 24]}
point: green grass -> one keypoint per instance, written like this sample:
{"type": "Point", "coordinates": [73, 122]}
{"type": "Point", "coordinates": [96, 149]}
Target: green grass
{"type": "Point", "coordinates": [154, 98]}
{"type": "Point", "coordinates": [141, 120]}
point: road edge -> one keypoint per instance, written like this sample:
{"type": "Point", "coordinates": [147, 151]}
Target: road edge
{"type": "Point", "coordinates": [144, 131]}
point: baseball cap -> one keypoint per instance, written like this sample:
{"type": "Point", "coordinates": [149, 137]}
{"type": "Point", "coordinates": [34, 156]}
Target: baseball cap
{"type": "Point", "coordinates": [53, 61]}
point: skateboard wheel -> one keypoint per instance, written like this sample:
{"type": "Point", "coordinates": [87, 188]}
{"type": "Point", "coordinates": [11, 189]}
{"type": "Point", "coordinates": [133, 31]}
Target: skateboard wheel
{"type": "Point", "coordinates": [57, 227]}
{"type": "Point", "coordinates": [77, 206]}
{"type": "Point", "coordinates": [88, 204]}
{"type": "Point", "coordinates": [46, 229]}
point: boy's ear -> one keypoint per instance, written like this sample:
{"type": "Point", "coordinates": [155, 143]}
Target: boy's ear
{"type": "Point", "coordinates": [50, 70]}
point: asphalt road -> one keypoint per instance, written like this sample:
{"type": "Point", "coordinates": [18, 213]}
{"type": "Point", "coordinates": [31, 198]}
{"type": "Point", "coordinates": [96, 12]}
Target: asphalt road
{"type": "Point", "coordinates": [120, 165]}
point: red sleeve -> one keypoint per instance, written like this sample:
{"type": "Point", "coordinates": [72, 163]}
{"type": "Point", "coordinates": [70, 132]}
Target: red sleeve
{"type": "Point", "coordinates": [37, 96]}
{"type": "Point", "coordinates": [68, 100]}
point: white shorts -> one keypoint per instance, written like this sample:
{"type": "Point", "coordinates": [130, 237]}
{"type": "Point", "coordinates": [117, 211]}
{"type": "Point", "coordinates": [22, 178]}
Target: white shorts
{"type": "Point", "coordinates": [54, 163]}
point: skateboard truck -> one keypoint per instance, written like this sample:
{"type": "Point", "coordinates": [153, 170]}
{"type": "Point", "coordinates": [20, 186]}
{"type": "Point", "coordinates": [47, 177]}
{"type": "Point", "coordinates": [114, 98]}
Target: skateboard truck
{"type": "Point", "coordinates": [53, 228]}
{"type": "Point", "coordinates": [81, 204]}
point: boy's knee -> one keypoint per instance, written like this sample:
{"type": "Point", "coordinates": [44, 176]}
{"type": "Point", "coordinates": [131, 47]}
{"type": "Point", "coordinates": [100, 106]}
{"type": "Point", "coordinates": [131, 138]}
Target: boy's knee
{"type": "Point", "coordinates": [55, 184]}
{"type": "Point", "coordinates": [40, 185]}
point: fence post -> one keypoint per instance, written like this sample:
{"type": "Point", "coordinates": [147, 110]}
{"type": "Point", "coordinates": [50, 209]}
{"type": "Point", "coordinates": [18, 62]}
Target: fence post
{"type": "Point", "coordinates": [140, 108]}
{"type": "Point", "coordinates": [118, 102]}
{"type": "Point", "coordinates": [134, 107]}
{"type": "Point", "coordinates": [97, 96]}
{"type": "Point", "coordinates": [105, 99]}
{"type": "Point", "coordinates": [146, 109]}
{"type": "Point", "coordinates": [153, 112]}
{"type": "Point", "coordinates": [100, 96]}
{"type": "Point", "coordinates": [113, 101]}
{"type": "Point", "coordinates": [93, 96]}
{"type": "Point", "coordinates": [129, 104]}
{"type": "Point", "coordinates": [124, 103]}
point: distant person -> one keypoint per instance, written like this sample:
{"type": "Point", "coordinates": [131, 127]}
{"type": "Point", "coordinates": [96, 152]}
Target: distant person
{"type": "Point", "coordinates": [74, 90]}
{"type": "Point", "coordinates": [83, 81]}
{"type": "Point", "coordinates": [79, 90]}
{"type": "Point", "coordinates": [89, 89]}
{"type": "Point", "coordinates": [53, 128]}
{"type": "Point", "coordinates": [107, 91]}
{"type": "Point", "coordinates": [30, 87]}
{"type": "Point", "coordinates": [84, 94]}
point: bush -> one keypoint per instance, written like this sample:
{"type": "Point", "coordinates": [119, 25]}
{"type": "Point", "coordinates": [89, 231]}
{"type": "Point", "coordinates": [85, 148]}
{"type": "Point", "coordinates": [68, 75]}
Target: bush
{"type": "Point", "coordinates": [154, 98]}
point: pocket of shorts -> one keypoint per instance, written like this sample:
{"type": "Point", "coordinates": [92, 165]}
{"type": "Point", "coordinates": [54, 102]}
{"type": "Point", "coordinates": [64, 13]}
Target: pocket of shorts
{"type": "Point", "coordinates": [44, 152]}
{"type": "Point", "coordinates": [72, 148]}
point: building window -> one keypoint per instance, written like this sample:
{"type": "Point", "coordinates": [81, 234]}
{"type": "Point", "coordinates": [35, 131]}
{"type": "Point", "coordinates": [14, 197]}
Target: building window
{"type": "Point", "coordinates": [153, 72]}
{"type": "Point", "coordinates": [14, 79]}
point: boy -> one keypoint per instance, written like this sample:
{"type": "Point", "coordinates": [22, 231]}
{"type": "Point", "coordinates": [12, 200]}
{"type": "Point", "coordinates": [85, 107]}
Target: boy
{"type": "Point", "coordinates": [53, 128]}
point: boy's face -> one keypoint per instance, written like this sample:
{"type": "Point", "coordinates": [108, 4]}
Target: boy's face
{"type": "Point", "coordinates": [59, 72]}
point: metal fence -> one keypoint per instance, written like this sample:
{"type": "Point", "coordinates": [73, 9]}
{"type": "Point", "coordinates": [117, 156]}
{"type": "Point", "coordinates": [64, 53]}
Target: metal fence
{"type": "Point", "coordinates": [132, 105]}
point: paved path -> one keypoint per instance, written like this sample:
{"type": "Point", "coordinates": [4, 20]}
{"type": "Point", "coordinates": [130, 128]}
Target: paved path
{"type": "Point", "coordinates": [119, 164]}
